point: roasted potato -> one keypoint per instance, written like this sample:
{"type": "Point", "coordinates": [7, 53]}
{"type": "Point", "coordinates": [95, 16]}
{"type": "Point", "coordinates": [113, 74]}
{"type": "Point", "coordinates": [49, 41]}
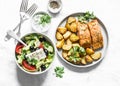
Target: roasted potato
{"type": "Point", "coordinates": [73, 27]}
{"type": "Point", "coordinates": [67, 47]}
{"type": "Point", "coordinates": [71, 20]}
{"type": "Point", "coordinates": [62, 30]}
{"type": "Point", "coordinates": [59, 36]}
{"type": "Point", "coordinates": [88, 59]}
{"type": "Point", "coordinates": [74, 37]}
{"type": "Point", "coordinates": [83, 61]}
{"type": "Point", "coordinates": [64, 54]}
{"type": "Point", "coordinates": [67, 35]}
{"type": "Point", "coordinates": [67, 25]}
{"type": "Point", "coordinates": [76, 44]}
{"type": "Point", "coordinates": [68, 42]}
{"type": "Point", "coordinates": [60, 44]}
{"type": "Point", "coordinates": [89, 51]}
{"type": "Point", "coordinates": [96, 55]}
{"type": "Point", "coordinates": [69, 53]}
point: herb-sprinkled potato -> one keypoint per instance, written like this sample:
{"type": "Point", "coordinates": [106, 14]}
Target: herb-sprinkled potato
{"type": "Point", "coordinates": [62, 30]}
{"type": "Point", "coordinates": [71, 20]}
{"type": "Point", "coordinates": [89, 51]}
{"type": "Point", "coordinates": [74, 37]}
{"type": "Point", "coordinates": [73, 27]}
{"type": "Point", "coordinates": [96, 55]}
{"type": "Point", "coordinates": [67, 35]}
{"type": "Point", "coordinates": [59, 36]}
{"type": "Point", "coordinates": [60, 44]}
{"type": "Point", "coordinates": [88, 59]}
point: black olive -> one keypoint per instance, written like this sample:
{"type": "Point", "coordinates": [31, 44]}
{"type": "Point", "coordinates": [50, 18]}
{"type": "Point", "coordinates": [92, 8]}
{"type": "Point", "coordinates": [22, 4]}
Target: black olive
{"type": "Point", "coordinates": [42, 39]}
{"type": "Point", "coordinates": [32, 48]}
{"type": "Point", "coordinates": [43, 67]}
{"type": "Point", "coordinates": [46, 51]}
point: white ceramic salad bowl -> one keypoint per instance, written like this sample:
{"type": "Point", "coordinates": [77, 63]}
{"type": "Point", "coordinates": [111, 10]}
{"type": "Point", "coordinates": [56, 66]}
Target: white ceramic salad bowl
{"type": "Point", "coordinates": [34, 65]}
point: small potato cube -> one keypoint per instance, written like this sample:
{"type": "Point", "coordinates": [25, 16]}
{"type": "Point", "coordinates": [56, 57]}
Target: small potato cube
{"type": "Point", "coordinates": [62, 30]}
{"type": "Point", "coordinates": [74, 37]}
{"type": "Point", "coordinates": [59, 36]}
{"type": "Point", "coordinates": [67, 25]}
{"type": "Point", "coordinates": [89, 51]}
{"type": "Point", "coordinates": [96, 55]}
{"type": "Point", "coordinates": [64, 54]}
{"type": "Point", "coordinates": [71, 20]}
{"type": "Point", "coordinates": [69, 53]}
{"type": "Point", "coordinates": [76, 44]}
{"type": "Point", "coordinates": [73, 27]}
{"type": "Point", "coordinates": [60, 44]}
{"type": "Point", "coordinates": [67, 47]}
{"type": "Point", "coordinates": [67, 35]}
{"type": "Point", "coordinates": [83, 61]}
{"type": "Point", "coordinates": [88, 59]}
{"type": "Point", "coordinates": [68, 42]}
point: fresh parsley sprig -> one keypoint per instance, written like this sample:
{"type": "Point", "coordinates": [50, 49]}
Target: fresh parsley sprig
{"type": "Point", "coordinates": [59, 71]}
{"type": "Point", "coordinates": [45, 19]}
{"type": "Point", "coordinates": [86, 17]}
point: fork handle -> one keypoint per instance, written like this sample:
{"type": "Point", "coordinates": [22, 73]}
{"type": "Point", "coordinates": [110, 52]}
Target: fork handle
{"type": "Point", "coordinates": [19, 24]}
{"type": "Point", "coordinates": [7, 37]}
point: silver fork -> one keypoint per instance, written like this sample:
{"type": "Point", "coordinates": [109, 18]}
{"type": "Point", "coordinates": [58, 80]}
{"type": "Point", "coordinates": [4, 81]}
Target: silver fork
{"type": "Point", "coordinates": [25, 16]}
{"type": "Point", "coordinates": [23, 9]}
{"type": "Point", "coordinates": [28, 14]}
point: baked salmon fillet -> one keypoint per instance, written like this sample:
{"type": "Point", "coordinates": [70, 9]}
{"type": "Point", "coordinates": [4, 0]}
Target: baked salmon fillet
{"type": "Point", "coordinates": [96, 35]}
{"type": "Point", "coordinates": [84, 35]}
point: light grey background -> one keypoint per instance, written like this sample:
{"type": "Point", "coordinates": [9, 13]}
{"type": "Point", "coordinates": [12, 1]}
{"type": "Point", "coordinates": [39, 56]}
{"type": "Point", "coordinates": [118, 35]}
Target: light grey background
{"type": "Point", "coordinates": [105, 73]}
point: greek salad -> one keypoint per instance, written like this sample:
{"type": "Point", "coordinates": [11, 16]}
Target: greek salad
{"type": "Point", "coordinates": [37, 56]}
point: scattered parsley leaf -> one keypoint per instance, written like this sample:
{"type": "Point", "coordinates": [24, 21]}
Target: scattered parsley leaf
{"type": "Point", "coordinates": [59, 71]}
{"type": "Point", "coordinates": [86, 17]}
{"type": "Point", "coordinates": [44, 19]}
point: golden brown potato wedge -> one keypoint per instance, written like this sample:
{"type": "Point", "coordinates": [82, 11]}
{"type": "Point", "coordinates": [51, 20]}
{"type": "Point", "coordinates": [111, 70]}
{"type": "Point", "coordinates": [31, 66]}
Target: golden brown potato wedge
{"type": "Point", "coordinates": [73, 27]}
{"type": "Point", "coordinates": [67, 47]}
{"type": "Point", "coordinates": [67, 25]}
{"type": "Point", "coordinates": [68, 42]}
{"type": "Point", "coordinates": [71, 20]}
{"type": "Point", "coordinates": [74, 37]}
{"type": "Point", "coordinates": [69, 53]}
{"type": "Point", "coordinates": [83, 61]}
{"type": "Point", "coordinates": [67, 35]}
{"type": "Point", "coordinates": [76, 44]}
{"type": "Point", "coordinates": [96, 55]}
{"type": "Point", "coordinates": [59, 36]}
{"type": "Point", "coordinates": [89, 51]}
{"type": "Point", "coordinates": [88, 59]}
{"type": "Point", "coordinates": [62, 30]}
{"type": "Point", "coordinates": [64, 54]}
{"type": "Point", "coordinates": [60, 44]}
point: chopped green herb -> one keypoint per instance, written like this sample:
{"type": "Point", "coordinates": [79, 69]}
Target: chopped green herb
{"type": "Point", "coordinates": [59, 71]}
{"type": "Point", "coordinates": [86, 17]}
{"type": "Point", "coordinates": [44, 19]}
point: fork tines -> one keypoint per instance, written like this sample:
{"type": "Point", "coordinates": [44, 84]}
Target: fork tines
{"type": "Point", "coordinates": [32, 9]}
{"type": "Point", "coordinates": [24, 5]}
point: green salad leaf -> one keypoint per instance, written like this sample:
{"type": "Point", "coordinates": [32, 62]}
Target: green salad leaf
{"type": "Point", "coordinates": [32, 61]}
{"type": "Point", "coordinates": [59, 71]}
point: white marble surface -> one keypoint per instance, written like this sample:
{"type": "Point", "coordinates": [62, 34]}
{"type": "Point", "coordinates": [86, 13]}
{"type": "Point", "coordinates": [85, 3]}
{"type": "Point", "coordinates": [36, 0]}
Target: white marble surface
{"type": "Point", "coordinates": [107, 73]}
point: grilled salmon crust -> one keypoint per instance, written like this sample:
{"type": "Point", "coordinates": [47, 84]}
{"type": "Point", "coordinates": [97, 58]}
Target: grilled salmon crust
{"type": "Point", "coordinates": [96, 35]}
{"type": "Point", "coordinates": [84, 35]}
